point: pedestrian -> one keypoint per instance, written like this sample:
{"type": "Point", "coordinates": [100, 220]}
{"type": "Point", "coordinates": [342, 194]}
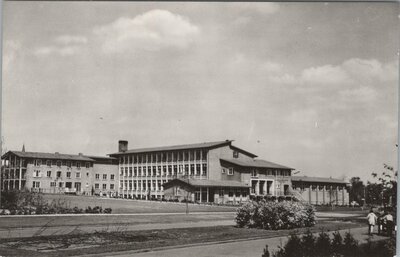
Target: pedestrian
{"type": "Point", "coordinates": [371, 221]}
{"type": "Point", "coordinates": [389, 223]}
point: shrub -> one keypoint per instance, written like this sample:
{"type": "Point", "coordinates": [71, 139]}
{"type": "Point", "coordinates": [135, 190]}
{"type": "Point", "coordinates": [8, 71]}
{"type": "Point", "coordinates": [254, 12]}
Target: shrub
{"type": "Point", "coordinates": [308, 244]}
{"type": "Point", "coordinates": [275, 215]}
{"type": "Point", "coordinates": [350, 246]}
{"type": "Point", "coordinates": [337, 242]}
{"type": "Point", "coordinates": [323, 245]}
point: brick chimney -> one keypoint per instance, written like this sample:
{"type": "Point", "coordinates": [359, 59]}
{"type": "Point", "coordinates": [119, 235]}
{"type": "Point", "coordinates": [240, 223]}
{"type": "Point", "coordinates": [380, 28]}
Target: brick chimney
{"type": "Point", "coordinates": [122, 146]}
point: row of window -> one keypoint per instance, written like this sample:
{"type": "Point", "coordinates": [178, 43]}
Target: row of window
{"type": "Point", "coordinates": [198, 169]}
{"type": "Point", "coordinates": [286, 173]}
{"type": "Point", "coordinates": [58, 163]}
{"type": "Point", "coordinates": [104, 186]}
{"type": "Point", "coordinates": [112, 176]}
{"type": "Point", "coordinates": [172, 156]}
{"type": "Point", "coordinates": [142, 185]}
{"type": "Point", "coordinates": [38, 174]}
{"type": "Point", "coordinates": [318, 188]}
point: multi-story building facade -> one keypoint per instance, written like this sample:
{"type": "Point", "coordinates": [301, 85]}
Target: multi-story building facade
{"type": "Point", "coordinates": [214, 171]}
{"type": "Point", "coordinates": [55, 172]}
{"type": "Point", "coordinates": [217, 172]}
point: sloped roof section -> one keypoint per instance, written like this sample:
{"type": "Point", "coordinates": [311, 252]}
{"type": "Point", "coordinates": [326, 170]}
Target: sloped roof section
{"type": "Point", "coordinates": [206, 183]}
{"type": "Point", "coordinates": [57, 156]}
{"type": "Point", "coordinates": [318, 180]}
{"type": "Point", "coordinates": [256, 163]}
{"type": "Point", "coordinates": [177, 147]}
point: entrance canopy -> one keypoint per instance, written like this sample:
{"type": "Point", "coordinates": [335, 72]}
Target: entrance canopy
{"type": "Point", "coordinates": [205, 183]}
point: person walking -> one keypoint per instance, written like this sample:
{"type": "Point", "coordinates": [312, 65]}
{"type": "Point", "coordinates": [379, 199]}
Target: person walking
{"type": "Point", "coordinates": [371, 221]}
{"type": "Point", "coordinates": [389, 223]}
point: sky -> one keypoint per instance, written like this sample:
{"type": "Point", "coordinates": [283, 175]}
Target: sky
{"type": "Point", "coordinates": [313, 86]}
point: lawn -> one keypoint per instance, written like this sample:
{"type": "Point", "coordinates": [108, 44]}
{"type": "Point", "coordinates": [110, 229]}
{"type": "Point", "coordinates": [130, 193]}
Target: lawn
{"type": "Point", "coordinates": [101, 242]}
{"type": "Point", "coordinates": [134, 206]}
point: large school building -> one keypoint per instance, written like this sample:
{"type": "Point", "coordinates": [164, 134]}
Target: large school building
{"type": "Point", "coordinates": [206, 172]}
{"type": "Point", "coordinates": [212, 172]}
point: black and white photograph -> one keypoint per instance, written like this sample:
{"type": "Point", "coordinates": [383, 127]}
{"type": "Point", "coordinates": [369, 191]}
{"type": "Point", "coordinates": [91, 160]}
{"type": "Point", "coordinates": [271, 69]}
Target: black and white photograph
{"type": "Point", "coordinates": [207, 129]}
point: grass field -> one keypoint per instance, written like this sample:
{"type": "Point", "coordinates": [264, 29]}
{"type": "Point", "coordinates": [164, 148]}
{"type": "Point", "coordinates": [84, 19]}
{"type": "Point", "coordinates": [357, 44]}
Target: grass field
{"type": "Point", "coordinates": [135, 206]}
{"type": "Point", "coordinates": [83, 244]}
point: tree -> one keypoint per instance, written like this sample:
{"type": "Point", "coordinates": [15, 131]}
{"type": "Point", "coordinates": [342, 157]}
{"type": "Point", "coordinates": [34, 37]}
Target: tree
{"type": "Point", "coordinates": [387, 184]}
{"type": "Point", "coordinates": [356, 190]}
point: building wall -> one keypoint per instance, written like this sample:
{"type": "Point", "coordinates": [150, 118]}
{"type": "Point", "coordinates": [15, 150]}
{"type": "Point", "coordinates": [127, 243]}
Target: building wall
{"type": "Point", "coordinates": [55, 184]}
{"type": "Point", "coordinates": [214, 164]}
{"type": "Point", "coordinates": [105, 180]}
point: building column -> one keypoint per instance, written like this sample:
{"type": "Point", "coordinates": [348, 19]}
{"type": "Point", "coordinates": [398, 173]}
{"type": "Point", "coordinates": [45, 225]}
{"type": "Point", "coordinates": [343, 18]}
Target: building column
{"type": "Point", "coordinates": [200, 194]}
{"type": "Point", "coordinates": [208, 195]}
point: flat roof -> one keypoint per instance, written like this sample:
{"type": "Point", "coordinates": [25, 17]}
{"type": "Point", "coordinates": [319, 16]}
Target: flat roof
{"type": "Point", "coordinates": [318, 179]}
{"type": "Point", "coordinates": [256, 163]}
{"type": "Point", "coordinates": [183, 147]}
{"type": "Point", "coordinates": [207, 183]}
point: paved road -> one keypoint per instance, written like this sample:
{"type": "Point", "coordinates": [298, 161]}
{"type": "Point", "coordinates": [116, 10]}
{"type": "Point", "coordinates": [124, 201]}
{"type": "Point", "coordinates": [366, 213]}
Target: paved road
{"type": "Point", "coordinates": [248, 248]}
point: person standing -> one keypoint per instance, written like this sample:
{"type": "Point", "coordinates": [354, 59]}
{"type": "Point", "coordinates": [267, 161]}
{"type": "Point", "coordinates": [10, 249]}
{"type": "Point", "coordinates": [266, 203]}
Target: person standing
{"type": "Point", "coordinates": [371, 221]}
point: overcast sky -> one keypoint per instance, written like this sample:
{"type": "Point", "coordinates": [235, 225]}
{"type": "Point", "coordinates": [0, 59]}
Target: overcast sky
{"type": "Point", "coordinates": [309, 85]}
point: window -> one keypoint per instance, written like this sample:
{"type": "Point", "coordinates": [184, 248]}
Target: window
{"type": "Point", "coordinates": [36, 173]}
{"type": "Point", "coordinates": [48, 163]}
{"type": "Point", "coordinates": [87, 165]}
{"type": "Point", "coordinates": [60, 184]}
{"type": "Point", "coordinates": [38, 162]}
{"type": "Point", "coordinates": [58, 174]}
{"type": "Point", "coordinates": [53, 184]}
{"type": "Point", "coordinates": [254, 173]}
{"type": "Point", "coordinates": [235, 154]}
{"type": "Point", "coordinates": [36, 184]}
{"type": "Point", "coordinates": [49, 173]}
{"type": "Point", "coordinates": [58, 163]}
{"type": "Point", "coordinates": [69, 164]}
{"type": "Point", "coordinates": [121, 172]}
{"type": "Point", "coordinates": [230, 194]}
{"type": "Point", "coordinates": [244, 193]}
{"type": "Point", "coordinates": [221, 193]}
{"type": "Point", "coordinates": [96, 186]}
{"type": "Point", "coordinates": [112, 186]}
{"type": "Point", "coordinates": [104, 186]}
{"type": "Point", "coordinates": [68, 174]}
{"type": "Point", "coordinates": [104, 176]}
{"type": "Point", "coordinates": [97, 176]}
{"type": "Point", "coordinates": [223, 170]}
{"type": "Point", "coordinates": [130, 172]}
{"type": "Point", "coordinates": [204, 169]}
{"type": "Point", "coordinates": [78, 175]}
{"type": "Point", "coordinates": [230, 171]}
{"type": "Point", "coordinates": [112, 176]}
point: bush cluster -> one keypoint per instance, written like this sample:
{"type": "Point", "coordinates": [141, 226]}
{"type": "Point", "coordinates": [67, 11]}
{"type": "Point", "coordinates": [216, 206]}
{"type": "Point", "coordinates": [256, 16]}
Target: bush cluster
{"type": "Point", "coordinates": [275, 215]}
{"type": "Point", "coordinates": [30, 203]}
{"type": "Point", "coordinates": [309, 245]}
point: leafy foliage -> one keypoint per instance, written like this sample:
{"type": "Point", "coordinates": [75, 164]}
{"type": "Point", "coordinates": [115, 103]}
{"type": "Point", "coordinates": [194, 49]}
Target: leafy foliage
{"type": "Point", "coordinates": [275, 215]}
{"type": "Point", "coordinates": [322, 246]}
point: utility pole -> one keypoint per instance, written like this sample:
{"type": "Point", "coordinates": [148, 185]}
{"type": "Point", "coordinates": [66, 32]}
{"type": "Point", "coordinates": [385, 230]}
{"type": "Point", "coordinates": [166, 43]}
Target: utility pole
{"type": "Point", "coordinates": [187, 194]}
